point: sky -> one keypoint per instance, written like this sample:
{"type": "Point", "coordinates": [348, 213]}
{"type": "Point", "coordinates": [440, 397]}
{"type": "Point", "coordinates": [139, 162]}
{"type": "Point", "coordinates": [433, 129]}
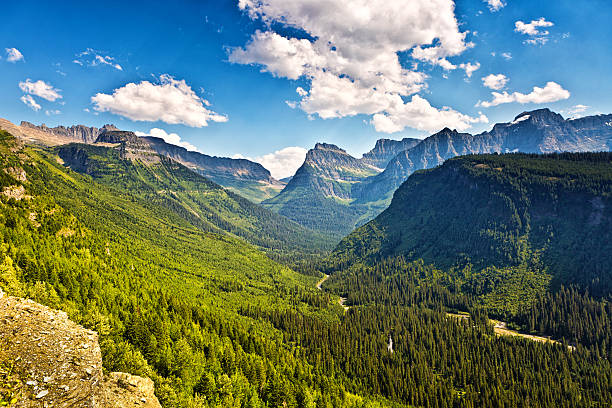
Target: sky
{"type": "Point", "coordinates": [267, 79]}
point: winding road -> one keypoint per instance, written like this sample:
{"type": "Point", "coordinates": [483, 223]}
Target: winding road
{"type": "Point", "coordinates": [341, 300]}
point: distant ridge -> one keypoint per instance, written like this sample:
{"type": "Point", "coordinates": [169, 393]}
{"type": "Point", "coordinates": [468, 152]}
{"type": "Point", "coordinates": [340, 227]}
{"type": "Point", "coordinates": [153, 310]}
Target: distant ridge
{"type": "Point", "coordinates": [241, 176]}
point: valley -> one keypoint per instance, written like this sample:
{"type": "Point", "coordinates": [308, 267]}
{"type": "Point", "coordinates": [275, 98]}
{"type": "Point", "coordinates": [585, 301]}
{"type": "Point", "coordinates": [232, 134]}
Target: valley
{"type": "Point", "coordinates": [224, 302]}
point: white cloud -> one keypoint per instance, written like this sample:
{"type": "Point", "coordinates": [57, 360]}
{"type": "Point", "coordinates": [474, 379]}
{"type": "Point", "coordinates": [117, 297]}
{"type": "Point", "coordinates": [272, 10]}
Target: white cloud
{"type": "Point", "coordinates": [495, 5]}
{"type": "Point", "coordinates": [281, 163]}
{"type": "Point", "coordinates": [171, 101]}
{"type": "Point", "coordinates": [419, 114]}
{"type": "Point", "coordinates": [575, 110]}
{"type": "Point", "coordinates": [52, 112]}
{"type": "Point", "coordinates": [495, 82]}
{"type": "Point", "coordinates": [551, 92]}
{"type": "Point", "coordinates": [533, 27]}
{"type": "Point", "coordinates": [13, 55]}
{"type": "Point", "coordinates": [94, 58]}
{"type": "Point", "coordinates": [172, 138]}
{"type": "Point", "coordinates": [40, 88]}
{"type": "Point", "coordinates": [533, 30]}
{"type": "Point", "coordinates": [536, 40]}
{"type": "Point", "coordinates": [469, 68]}
{"type": "Point", "coordinates": [351, 58]}
{"type": "Point", "coordinates": [507, 56]}
{"type": "Point", "coordinates": [28, 100]}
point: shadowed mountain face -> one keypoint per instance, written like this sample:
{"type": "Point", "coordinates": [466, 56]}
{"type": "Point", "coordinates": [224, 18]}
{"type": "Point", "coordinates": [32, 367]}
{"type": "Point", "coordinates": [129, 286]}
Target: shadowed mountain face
{"type": "Point", "coordinates": [244, 177]}
{"type": "Point", "coordinates": [521, 211]}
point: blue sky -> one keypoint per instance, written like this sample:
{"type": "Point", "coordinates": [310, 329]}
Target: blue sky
{"type": "Point", "coordinates": [203, 61]}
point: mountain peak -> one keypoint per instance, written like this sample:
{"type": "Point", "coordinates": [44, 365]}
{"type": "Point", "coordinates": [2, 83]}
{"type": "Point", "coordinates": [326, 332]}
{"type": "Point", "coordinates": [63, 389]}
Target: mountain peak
{"type": "Point", "coordinates": [328, 146]}
{"type": "Point", "coordinates": [447, 131]}
{"type": "Point", "coordinates": [540, 115]}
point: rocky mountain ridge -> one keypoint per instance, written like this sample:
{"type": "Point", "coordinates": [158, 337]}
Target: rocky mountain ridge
{"type": "Point", "coordinates": [244, 177]}
{"type": "Point", "coordinates": [387, 149]}
{"type": "Point", "coordinates": [78, 133]}
{"type": "Point", "coordinates": [538, 131]}
{"type": "Point", "coordinates": [333, 180]}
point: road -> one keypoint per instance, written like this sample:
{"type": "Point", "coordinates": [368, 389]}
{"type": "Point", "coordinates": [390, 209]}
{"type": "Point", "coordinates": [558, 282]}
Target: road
{"type": "Point", "coordinates": [341, 300]}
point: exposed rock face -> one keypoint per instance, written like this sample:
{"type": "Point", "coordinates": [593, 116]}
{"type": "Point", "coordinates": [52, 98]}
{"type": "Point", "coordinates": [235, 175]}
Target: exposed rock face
{"type": "Point", "coordinates": [211, 166]}
{"type": "Point", "coordinates": [77, 133]}
{"type": "Point", "coordinates": [59, 362]}
{"type": "Point", "coordinates": [328, 171]}
{"type": "Point", "coordinates": [319, 193]}
{"type": "Point", "coordinates": [387, 149]}
{"type": "Point", "coordinates": [539, 131]}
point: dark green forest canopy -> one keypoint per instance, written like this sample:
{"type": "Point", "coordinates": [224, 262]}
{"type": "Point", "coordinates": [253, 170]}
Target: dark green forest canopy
{"type": "Point", "coordinates": [547, 213]}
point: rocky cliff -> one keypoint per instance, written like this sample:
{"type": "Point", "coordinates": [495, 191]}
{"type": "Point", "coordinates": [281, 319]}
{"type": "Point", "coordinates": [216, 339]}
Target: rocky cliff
{"type": "Point", "coordinates": [77, 133]}
{"type": "Point", "coordinates": [387, 149]}
{"type": "Point", "coordinates": [56, 363]}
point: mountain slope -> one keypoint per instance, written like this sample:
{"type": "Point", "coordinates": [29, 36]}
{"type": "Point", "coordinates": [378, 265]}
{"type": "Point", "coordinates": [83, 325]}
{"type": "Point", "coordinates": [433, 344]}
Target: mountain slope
{"type": "Point", "coordinates": [550, 213]}
{"type": "Point", "coordinates": [244, 177]}
{"type": "Point", "coordinates": [319, 193]}
{"type": "Point", "coordinates": [539, 131]}
{"type": "Point", "coordinates": [247, 178]}
{"type": "Point", "coordinates": [131, 169]}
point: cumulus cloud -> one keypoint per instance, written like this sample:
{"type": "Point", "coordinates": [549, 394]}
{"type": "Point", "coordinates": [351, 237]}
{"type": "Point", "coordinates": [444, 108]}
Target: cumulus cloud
{"type": "Point", "coordinates": [575, 110]}
{"type": "Point", "coordinates": [495, 5]}
{"type": "Point", "coordinates": [551, 92]}
{"type": "Point", "coordinates": [350, 53]}
{"type": "Point", "coordinates": [469, 68]}
{"type": "Point", "coordinates": [170, 101]}
{"type": "Point", "coordinates": [172, 138]}
{"type": "Point", "coordinates": [29, 101]}
{"type": "Point", "coordinates": [495, 82]}
{"type": "Point", "coordinates": [13, 55]}
{"type": "Point", "coordinates": [94, 58]}
{"type": "Point", "coordinates": [534, 30]}
{"type": "Point", "coordinates": [281, 163]}
{"type": "Point", "coordinates": [41, 89]}
{"type": "Point", "coordinates": [419, 114]}
{"type": "Point", "coordinates": [52, 112]}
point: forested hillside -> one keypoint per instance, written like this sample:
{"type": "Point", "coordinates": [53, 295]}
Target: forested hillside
{"type": "Point", "coordinates": [159, 182]}
{"type": "Point", "coordinates": [214, 322]}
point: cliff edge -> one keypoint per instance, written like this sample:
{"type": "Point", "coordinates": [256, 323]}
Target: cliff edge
{"type": "Point", "coordinates": [47, 360]}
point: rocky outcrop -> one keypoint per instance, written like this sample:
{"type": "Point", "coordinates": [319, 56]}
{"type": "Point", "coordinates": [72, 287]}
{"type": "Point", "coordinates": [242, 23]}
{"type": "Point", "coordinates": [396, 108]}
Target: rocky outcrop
{"type": "Point", "coordinates": [387, 149]}
{"type": "Point", "coordinates": [77, 133]}
{"type": "Point", "coordinates": [58, 363]}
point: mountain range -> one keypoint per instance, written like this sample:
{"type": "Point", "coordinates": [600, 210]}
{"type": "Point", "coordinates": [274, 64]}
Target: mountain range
{"type": "Point", "coordinates": [322, 197]}
{"type": "Point", "coordinates": [247, 178]}
{"type": "Point", "coordinates": [504, 226]}
{"type": "Point", "coordinates": [334, 192]}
